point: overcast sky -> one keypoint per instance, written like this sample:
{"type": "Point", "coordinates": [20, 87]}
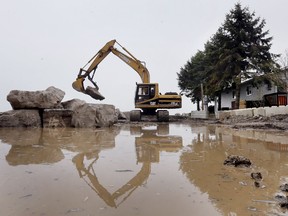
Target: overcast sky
{"type": "Point", "coordinates": [45, 42]}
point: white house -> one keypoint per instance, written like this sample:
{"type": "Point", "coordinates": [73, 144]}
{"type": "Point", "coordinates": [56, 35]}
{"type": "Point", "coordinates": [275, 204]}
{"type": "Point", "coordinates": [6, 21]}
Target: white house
{"type": "Point", "coordinates": [265, 94]}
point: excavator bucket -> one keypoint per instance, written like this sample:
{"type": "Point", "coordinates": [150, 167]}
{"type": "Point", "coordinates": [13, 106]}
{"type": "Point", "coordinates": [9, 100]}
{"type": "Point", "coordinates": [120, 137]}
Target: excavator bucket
{"type": "Point", "coordinates": [93, 92]}
{"type": "Point", "coordinates": [78, 85]}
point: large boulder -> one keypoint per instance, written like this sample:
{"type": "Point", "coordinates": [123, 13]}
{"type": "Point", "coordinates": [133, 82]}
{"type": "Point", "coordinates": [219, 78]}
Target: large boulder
{"type": "Point", "coordinates": [55, 118]}
{"type": "Point", "coordinates": [46, 99]}
{"type": "Point", "coordinates": [91, 115]}
{"type": "Point", "coordinates": [72, 104]}
{"type": "Point", "coordinates": [20, 118]}
{"type": "Point", "coordinates": [121, 115]}
{"type": "Point", "coordinates": [46, 109]}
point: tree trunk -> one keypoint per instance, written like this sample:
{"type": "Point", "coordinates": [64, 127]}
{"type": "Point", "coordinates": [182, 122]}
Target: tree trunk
{"type": "Point", "coordinates": [219, 102]}
{"type": "Point", "coordinates": [198, 105]}
{"type": "Point", "coordinates": [237, 96]}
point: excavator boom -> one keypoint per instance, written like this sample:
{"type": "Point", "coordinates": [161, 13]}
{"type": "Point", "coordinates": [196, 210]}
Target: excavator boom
{"type": "Point", "coordinates": [128, 58]}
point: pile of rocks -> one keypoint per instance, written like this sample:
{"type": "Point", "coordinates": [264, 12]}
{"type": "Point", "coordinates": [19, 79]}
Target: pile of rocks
{"type": "Point", "coordinates": [46, 109]}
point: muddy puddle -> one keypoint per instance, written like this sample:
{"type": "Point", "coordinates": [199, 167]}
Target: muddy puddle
{"type": "Point", "coordinates": [147, 169]}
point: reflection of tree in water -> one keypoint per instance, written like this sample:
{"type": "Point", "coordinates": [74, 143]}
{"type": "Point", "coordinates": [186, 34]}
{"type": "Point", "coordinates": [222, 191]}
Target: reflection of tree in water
{"type": "Point", "coordinates": [148, 146]}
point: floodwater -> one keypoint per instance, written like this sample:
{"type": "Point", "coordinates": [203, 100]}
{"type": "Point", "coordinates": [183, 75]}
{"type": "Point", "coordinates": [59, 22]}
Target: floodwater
{"type": "Point", "coordinates": [140, 169]}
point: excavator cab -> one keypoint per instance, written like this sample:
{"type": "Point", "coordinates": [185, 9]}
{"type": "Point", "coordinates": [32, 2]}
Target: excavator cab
{"type": "Point", "coordinates": [145, 92]}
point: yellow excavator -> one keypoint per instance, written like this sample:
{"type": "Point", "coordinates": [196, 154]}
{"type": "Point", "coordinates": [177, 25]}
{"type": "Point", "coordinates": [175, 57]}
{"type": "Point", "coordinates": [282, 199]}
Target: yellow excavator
{"type": "Point", "coordinates": [147, 96]}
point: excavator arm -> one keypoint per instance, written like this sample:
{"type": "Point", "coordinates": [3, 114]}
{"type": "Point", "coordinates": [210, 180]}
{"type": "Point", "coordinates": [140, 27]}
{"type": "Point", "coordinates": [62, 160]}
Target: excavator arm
{"type": "Point", "coordinates": [89, 73]}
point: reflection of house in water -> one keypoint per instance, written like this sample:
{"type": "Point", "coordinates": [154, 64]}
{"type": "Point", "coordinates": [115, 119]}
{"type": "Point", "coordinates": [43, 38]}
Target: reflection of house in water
{"type": "Point", "coordinates": [231, 189]}
{"type": "Point", "coordinates": [149, 142]}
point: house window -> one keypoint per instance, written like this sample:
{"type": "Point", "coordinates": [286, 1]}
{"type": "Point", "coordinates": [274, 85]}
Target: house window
{"type": "Point", "coordinates": [249, 90]}
{"type": "Point", "coordinates": [269, 86]}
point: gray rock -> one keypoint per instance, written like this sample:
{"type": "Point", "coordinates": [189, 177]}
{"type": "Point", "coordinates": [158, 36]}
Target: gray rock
{"type": "Point", "coordinates": [49, 98]}
{"type": "Point", "coordinates": [237, 161]}
{"type": "Point", "coordinates": [120, 115]}
{"type": "Point", "coordinates": [94, 93]}
{"type": "Point", "coordinates": [46, 109]}
{"type": "Point", "coordinates": [94, 115]}
{"type": "Point", "coordinates": [72, 104]}
{"type": "Point", "coordinates": [20, 118]}
{"type": "Point", "coordinates": [106, 115]}
{"type": "Point", "coordinates": [55, 118]}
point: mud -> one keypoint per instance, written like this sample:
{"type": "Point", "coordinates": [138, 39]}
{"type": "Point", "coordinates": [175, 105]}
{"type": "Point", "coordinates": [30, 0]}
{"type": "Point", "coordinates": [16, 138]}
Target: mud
{"type": "Point", "coordinates": [143, 169]}
{"type": "Point", "coordinates": [277, 122]}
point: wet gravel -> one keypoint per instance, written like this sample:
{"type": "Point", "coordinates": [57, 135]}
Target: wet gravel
{"type": "Point", "coordinates": [277, 122]}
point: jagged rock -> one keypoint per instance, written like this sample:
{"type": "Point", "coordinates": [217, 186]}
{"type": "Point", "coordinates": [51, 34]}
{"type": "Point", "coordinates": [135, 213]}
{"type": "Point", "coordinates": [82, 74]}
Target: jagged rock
{"type": "Point", "coordinates": [53, 118]}
{"type": "Point", "coordinates": [94, 93]}
{"type": "Point", "coordinates": [91, 115]}
{"type": "Point", "coordinates": [72, 104]}
{"type": "Point", "coordinates": [20, 118]}
{"type": "Point", "coordinates": [94, 115]}
{"type": "Point", "coordinates": [236, 161]}
{"type": "Point", "coordinates": [282, 200]}
{"type": "Point", "coordinates": [284, 187]}
{"type": "Point", "coordinates": [120, 115]}
{"type": "Point", "coordinates": [51, 112]}
{"type": "Point", "coordinates": [257, 176]}
{"type": "Point", "coordinates": [49, 98]}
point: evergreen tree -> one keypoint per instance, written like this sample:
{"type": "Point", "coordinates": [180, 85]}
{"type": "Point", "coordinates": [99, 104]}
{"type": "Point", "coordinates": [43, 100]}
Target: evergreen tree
{"type": "Point", "coordinates": [243, 50]}
{"type": "Point", "coordinates": [239, 50]}
{"type": "Point", "coordinates": [191, 76]}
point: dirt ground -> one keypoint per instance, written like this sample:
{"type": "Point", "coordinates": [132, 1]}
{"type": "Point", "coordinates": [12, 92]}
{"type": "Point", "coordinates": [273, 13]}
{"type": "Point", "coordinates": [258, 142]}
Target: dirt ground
{"type": "Point", "coordinates": [277, 122]}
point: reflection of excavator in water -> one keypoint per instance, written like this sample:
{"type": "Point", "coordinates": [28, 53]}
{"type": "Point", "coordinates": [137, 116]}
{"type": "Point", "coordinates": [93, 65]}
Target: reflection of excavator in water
{"type": "Point", "coordinates": [148, 147]}
{"type": "Point", "coordinates": [147, 96]}
{"type": "Point", "coordinates": [89, 176]}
